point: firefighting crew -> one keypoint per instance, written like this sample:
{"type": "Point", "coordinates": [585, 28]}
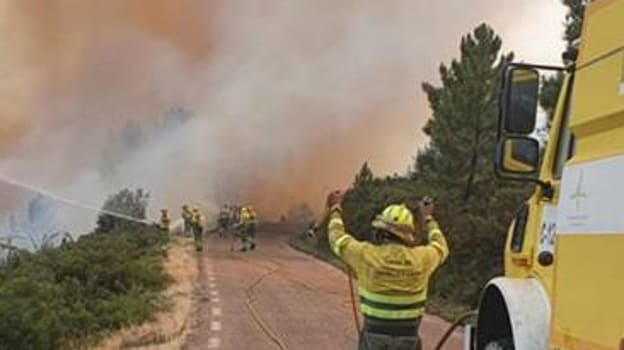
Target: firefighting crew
{"type": "Point", "coordinates": [238, 220]}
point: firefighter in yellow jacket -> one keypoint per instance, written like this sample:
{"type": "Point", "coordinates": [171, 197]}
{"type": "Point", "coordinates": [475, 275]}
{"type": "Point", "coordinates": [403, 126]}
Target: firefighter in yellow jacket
{"type": "Point", "coordinates": [165, 221]}
{"type": "Point", "coordinates": [392, 276]}
{"type": "Point", "coordinates": [186, 217]}
{"type": "Point", "coordinates": [223, 220]}
{"type": "Point", "coordinates": [248, 228]}
{"type": "Point", "coordinates": [197, 225]}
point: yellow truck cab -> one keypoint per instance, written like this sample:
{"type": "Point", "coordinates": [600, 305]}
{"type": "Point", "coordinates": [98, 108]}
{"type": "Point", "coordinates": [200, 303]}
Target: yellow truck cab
{"type": "Point", "coordinates": [563, 287]}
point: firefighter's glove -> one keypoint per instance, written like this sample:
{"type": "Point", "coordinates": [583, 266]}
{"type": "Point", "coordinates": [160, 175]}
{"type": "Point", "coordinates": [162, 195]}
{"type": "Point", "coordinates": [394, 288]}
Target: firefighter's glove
{"type": "Point", "coordinates": [335, 198]}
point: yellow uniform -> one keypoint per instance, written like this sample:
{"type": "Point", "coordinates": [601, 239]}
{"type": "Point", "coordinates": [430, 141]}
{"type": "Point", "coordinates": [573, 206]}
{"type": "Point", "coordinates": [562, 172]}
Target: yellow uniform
{"type": "Point", "coordinates": [187, 216]}
{"type": "Point", "coordinates": [392, 278]}
{"type": "Point", "coordinates": [248, 225]}
{"type": "Point", "coordinates": [223, 221]}
{"type": "Point", "coordinates": [164, 221]}
{"type": "Point", "coordinates": [197, 225]}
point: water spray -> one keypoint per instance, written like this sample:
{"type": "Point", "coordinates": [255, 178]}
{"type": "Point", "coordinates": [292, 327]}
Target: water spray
{"type": "Point", "coordinates": [68, 201]}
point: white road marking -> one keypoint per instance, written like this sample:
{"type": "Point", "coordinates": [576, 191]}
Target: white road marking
{"type": "Point", "coordinates": [215, 300]}
{"type": "Point", "coordinates": [216, 311]}
{"type": "Point", "coordinates": [211, 278]}
{"type": "Point", "coordinates": [214, 293]}
{"type": "Point", "coordinates": [214, 342]}
{"type": "Point", "coordinates": [215, 326]}
{"type": "Point", "coordinates": [212, 285]}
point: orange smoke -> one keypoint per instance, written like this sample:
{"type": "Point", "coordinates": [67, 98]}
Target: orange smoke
{"type": "Point", "coordinates": [11, 130]}
{"type": "Point", "coordinates": [81, 69]}
{"type": "Point", "coordinates": [60, 47]}
{"type": "Point", "coordinates": [332, 160]}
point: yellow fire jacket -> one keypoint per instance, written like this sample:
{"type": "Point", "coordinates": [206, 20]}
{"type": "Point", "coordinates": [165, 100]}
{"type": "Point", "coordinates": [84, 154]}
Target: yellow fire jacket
{"type": "Point", "coordinates": [164, 222]}
{"type": "Point", "coordinates": [392, 278]}
{"type": "Point", "coordinates": [248, 217]}
{"type": "Point", "coordinates": [198, 220]}
{"type": "Point", "coordinates": [187, 215]}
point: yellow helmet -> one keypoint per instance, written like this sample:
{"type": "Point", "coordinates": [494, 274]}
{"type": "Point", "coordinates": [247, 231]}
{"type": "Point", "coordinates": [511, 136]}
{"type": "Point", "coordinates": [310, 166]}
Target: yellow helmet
{"type": "Point", "coordinates": [398, 220]}
{"type": "Point", "coordinates": [185, 207]}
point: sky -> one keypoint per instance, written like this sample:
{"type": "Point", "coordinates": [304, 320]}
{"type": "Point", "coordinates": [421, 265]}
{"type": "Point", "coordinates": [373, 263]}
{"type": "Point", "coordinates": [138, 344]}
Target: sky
{"type": "Point", "coordinates": [287, 99]}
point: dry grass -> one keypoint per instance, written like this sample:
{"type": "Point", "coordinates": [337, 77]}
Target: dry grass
{"type": "Point", "coordinates": [168, 329]}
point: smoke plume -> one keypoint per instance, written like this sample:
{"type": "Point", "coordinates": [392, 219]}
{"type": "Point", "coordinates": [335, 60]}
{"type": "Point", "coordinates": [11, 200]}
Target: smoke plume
{"type": "Point", "coordinates": [285, 99]}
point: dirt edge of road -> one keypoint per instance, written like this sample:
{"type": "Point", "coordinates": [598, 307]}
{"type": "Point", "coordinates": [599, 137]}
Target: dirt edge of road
{"type": "Point", "coordinates": [169, 329]}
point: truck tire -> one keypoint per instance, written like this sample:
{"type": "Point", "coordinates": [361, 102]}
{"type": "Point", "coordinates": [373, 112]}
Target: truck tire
{"type": "Point", "coordinates": [500, 344]}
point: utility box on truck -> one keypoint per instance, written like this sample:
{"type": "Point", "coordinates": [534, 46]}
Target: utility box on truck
{"type": "Point", "coordinates": [564, 259]}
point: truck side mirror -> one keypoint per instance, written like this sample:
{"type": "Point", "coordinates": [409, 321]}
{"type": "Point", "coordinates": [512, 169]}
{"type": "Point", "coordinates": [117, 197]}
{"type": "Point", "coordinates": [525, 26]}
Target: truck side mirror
{"type": "Point", "coordinates": [518, 155]}
{"type": "Point", "coordinates": [519, 100]}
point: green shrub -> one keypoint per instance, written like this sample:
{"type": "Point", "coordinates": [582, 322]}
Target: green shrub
{"type": "Point", "coordinates": [127, 204]}
{"type": "Point", "coordinates": [71, 295]}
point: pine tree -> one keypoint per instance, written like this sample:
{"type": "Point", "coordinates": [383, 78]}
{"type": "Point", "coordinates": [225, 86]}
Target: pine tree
{"type": "Point", "coordinates": [358, 202]}
{"type": "Point", "coordinates": [463, 128]}
{"type": "Point", "coordinates": [573, 25]}
{"type": "Point", "coordinates": [474, 208]}
{"type": "Point", "coordinates": [573, 22]}
{"type": "Point", "coordinates": [365, 176]}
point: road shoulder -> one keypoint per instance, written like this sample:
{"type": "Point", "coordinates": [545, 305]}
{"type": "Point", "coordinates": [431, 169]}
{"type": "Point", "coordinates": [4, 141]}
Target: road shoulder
{"type": "Point", "coordinates": [169, 329]}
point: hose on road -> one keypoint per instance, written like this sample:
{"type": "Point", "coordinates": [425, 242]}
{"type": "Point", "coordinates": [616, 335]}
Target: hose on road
{"type": "Point", "coordinates": [251, 298]}
{"type": "Point", "coordinates": [278, 267]}
{"type": "Point", "coordinates": [284, 273]}
{"type": "Point", "coordinates": [458, 322]}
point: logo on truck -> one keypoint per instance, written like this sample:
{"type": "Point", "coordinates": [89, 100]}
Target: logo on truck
{"type": "Point", "coordinates": [578, 195]}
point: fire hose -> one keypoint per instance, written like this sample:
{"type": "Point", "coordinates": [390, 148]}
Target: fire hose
{"type": "Point", "coordinates": [356, 318]}
{"type": "Point", "coordinates": [458, 322]}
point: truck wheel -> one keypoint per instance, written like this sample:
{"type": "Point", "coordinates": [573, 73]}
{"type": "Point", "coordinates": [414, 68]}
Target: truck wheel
{"type": "Point", "coordinates": [500, 344]}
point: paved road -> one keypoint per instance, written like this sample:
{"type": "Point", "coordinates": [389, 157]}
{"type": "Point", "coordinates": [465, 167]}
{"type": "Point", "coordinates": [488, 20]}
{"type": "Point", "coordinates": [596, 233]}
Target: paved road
{"type": "Point", "coordinates": [277, 298]}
